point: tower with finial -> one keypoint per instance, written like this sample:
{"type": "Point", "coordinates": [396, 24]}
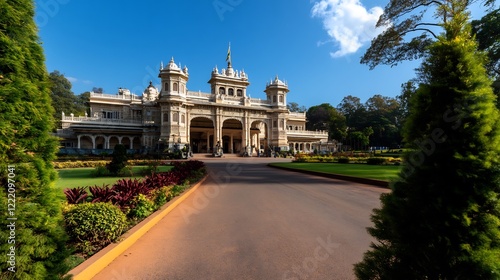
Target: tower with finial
{"type": "Point", "coordinates": [276, 91]}
{"type": "Point", "coordinates": [173, 79]}
{"type": "Point", "coordinates": [229, 82]}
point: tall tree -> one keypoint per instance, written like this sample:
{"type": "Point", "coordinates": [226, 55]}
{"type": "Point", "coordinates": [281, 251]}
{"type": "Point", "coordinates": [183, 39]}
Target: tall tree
{"type": "Point", "coordinates": [63, 99]}
{"type": "Point", "coordinates": [442, 218]}
{"type": "Point", "coordinates": [354, 112]}
{"type": "Point", "coordinates": [38, 249]}
{"type": "Point", "coordinates": [383, 116]}
{"type": "Point", "coordinates": [326, 117]}
{"type": "Point", "coordinates": [487, 31]}
{"type": "Point", "coordinates": [294, 107]}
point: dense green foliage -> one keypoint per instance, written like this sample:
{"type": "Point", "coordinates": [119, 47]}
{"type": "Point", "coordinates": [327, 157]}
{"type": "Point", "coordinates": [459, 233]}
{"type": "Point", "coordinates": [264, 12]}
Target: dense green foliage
{"type": "Point", "coordinates": [25, 143]}
{"type": "Point", "coordinates": [119, 160]}
{"type": "Point", "coordinates": [91, 226]}
{"type": "Point", "coordinates": [442, 220]}
{"type": "Point", "coordinates": [63, 99]}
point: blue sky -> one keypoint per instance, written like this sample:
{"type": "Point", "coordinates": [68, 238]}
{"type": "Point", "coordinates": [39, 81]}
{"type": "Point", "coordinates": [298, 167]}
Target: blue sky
{"type": "Point", "coordinates": [315, 45]}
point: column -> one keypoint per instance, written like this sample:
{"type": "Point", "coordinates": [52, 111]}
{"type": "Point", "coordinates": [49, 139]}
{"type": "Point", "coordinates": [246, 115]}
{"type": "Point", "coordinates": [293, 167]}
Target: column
{"type": "Point", "coordinates": [231, 146]}
{"type": "Point", "coordinates": [93, 142]}
{"type": "Point", "coordinates": [208, 142]}
{"type": "Point", "coordinates": [78, 140]}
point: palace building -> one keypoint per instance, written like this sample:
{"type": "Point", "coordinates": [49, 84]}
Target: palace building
{"type": "Point", "coordinates": [226, 117]}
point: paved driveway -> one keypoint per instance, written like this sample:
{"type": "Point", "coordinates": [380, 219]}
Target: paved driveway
{"type": "Point", "coordinates": [250, 221]}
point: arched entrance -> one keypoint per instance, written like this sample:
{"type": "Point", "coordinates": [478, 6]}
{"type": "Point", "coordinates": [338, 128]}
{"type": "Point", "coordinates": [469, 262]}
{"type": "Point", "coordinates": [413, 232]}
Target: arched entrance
{"type": "Point", "coordinates": [201, 134]}
{"type": "Point", "coordinates": [232, 135]}
{"type": "Point", "coordinates": [259, 138]}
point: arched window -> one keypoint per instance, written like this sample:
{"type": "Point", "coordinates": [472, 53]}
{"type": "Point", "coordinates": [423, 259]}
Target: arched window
{"type": "Point", "coordinates": [281, 98]}
{"type": "Point", "coordinates": [222, 90]}
{"type": "Point", "coordinates": [183, 88]}
{"type": "Point", "coordinates": [239, 92]}
{"type": "Point", "coordinates": [183, 118]}
{"type": "Point", "coordinates": [274, 98]}
{"type": "Point", "coordinates": [166, 87]}
{"type": "Point", "coordinates": [175, 117]}
{"type": "Point", "coordinates": [176, 87]}
{"type": "Point", "coordinates": [231, 92]}
{"type": "Point", "coordinates": [165, 117]}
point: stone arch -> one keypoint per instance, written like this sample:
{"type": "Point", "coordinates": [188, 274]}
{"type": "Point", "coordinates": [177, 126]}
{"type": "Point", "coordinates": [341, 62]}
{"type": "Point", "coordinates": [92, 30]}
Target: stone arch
{"type": "Point", "coordinates": [259, 135]}
{"type": "Point", "coordinates": [113, 140]}
{"type": "Point", "coordinates": [126, 141]}
{"type": "Point", "coordinates": [201, 134]}
{"type": "Point", "coordinates": [100, 142]}
{"type": "Point", "coordinates": [86, 141]}
{"type": "Point", "coordinates": [232, 135]}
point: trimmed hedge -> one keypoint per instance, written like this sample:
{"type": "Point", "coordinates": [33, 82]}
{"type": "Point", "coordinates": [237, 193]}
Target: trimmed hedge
{"type": "Point", "coordinates": [96, 163]}
{"type": "Point", "coordinates": [377, 161]}
{"type": "Point", "coordinates": [92, 226]}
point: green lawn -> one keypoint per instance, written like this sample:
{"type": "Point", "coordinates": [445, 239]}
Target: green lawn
{"type": "Point", "coordinates": [377, 172]}
{"type": "Point", "coordinates": [81, 177]}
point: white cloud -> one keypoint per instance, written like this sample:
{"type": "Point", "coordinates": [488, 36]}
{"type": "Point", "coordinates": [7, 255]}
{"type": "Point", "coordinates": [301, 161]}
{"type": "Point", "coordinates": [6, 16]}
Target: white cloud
{"type": "Point", "coordinates": [348, 23]}
{"type": "Point", "coordinates": [74, 80]}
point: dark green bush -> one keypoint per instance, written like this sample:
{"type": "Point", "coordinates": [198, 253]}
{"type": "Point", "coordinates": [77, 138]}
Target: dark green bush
{"type": "Point", "coordinates": [100, 171]}
{"type": "Point", "coordinates": [376, 161]}
{"type": "Point", "coordinates": [142, 207]}
{"type": "Point", "coordinates": [92, 226]}
{"type": "Point", "coordinates": [119, 159]}
{"type": "Point", "coordinates": [343, 160]}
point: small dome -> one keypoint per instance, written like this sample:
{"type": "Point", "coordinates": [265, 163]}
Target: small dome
{"type": "Point", "coordinates": [277, 81]}
{"type": "Point", "coordinates": [172, 66]}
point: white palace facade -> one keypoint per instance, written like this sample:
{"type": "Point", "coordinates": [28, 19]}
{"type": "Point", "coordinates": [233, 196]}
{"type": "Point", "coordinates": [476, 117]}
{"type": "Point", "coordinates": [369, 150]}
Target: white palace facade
{"type": "Point", "coordinates": [173, 115]}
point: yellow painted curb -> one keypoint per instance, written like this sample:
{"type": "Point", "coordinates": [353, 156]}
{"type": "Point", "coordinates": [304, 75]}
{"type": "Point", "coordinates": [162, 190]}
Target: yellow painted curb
{"type": "Point", "coordinates": [103, 258]}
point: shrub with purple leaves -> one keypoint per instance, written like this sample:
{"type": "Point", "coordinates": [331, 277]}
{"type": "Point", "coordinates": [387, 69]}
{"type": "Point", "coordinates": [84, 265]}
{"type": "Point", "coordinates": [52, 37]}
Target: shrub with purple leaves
{"type": "Point", "coordinates": [125, 190]}
{"type": "Point", "coordinates": [185, 169]}
{"type": "Point", "coordinates": [101, 193]}
{"type": "Point", "coordinates": [76, 195]}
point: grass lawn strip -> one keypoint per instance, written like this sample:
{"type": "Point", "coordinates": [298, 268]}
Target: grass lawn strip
{"type": "Point", "coordinates": [82, 177]}
{"type": "Point", "coordinates": [376, 172]}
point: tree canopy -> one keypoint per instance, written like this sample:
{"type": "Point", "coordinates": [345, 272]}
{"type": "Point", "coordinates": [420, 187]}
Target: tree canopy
{"type": "Point", "coordinates": [26, 151]}
{"type": "Point", "coordinates": [407, 36]}
{"type": "Point", "coordinates": [442, 218]}
{"type": "Point", "coordinates": [63, 99]}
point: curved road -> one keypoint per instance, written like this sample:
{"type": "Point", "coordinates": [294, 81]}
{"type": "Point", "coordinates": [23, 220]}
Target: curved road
{"type": "Point", "coordinates": [250, 221]}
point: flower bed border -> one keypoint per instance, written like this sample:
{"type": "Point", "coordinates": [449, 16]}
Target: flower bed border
{"type": "Point", "coordinates": [93, 265]}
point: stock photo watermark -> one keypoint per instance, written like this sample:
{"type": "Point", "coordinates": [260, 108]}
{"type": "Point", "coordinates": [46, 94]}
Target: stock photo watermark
{"type": "Point", "coordinates": [47, 10]}
{"type": "Point", "coordinates": [223, 6]}
{"type": "Point", "coordinates": [310, 264]}
{"type": "Point", "coordinates": [202, 199]}
{"type": "Point", "coordinates": [11, 217]}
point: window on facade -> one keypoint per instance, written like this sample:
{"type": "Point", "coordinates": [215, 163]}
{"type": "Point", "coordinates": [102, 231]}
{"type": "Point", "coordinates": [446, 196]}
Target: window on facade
{"type": "Point", "coordinates": [222, 90]}
{"type": "Point", "coordinates": [274, 98]}
{"type": "Point", "coordinates": [175, 117]}
{"type": "Point", "coordinates": [282, 124]}
{"type": "Point", "coordinates": [281, 98]}
{"type": "Point", "coordinates": [110, 115]}
{"type": "Point", "coordinates": [182, 88]}
{"type": "Point", "coordinates": [239, 92]}
{"type": "Point", "coordinates": [275, 124]}
{"type": "Point", "coordinates": [183, 118]}
{"type": "Point", "coordinates": [166, 87]}
{"type": "Point", "coordinates": [231, 92]}
{"type": "Point", "coordinates": [176, 87]}
{"type": "Point", "coordinates": [165, 117]}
